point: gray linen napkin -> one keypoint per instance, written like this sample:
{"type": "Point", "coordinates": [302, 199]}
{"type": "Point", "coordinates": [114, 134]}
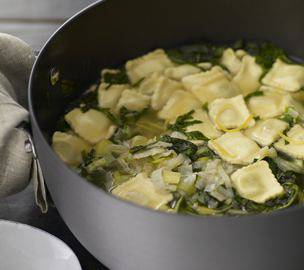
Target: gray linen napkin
{"type": "Point", "coordinates": [18, 165]}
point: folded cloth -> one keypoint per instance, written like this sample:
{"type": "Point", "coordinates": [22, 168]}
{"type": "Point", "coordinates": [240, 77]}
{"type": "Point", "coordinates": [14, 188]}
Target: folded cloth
{"type": "Point", "coordinates": [18, 164]}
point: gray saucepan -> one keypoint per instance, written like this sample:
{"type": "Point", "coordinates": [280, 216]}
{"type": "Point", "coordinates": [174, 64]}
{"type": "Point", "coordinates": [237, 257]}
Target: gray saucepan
{"type": "Point", "coordinates": [124, 236]}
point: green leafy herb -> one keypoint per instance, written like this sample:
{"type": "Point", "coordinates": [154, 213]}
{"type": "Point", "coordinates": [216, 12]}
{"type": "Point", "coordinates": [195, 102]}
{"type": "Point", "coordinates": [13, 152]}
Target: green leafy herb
{"type": "Point", "coordinates": [88, 158]}
{"type": "Point", "coordinates": [88, 101]}
{"type": "Point", "coordinates": [196, 135]}
{"type": "Point", "coordinates": [204, 152]}
{"type": "Point", "coordinates": [97, 177]}
{"type": "Point", "coordinates": [266, 53]}
{"type": "Point", "coordinates": [184, 121]}
{"type": "Point", "coordinates": [119, 77]}
{"type": "Point", "coordinates": [254, 94]}
{"type": "Point", "coordinates": [281, 176]}
{"type": "Point", "coordinates": [180, 146]}
{"type": "Point", "coordinates": [196, 53]}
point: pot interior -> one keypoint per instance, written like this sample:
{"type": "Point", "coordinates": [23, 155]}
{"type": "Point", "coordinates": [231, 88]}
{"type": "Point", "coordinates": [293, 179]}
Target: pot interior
{"type": "Point", "coordinates": [110, 32]}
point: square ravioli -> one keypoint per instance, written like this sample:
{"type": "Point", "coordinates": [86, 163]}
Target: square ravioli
{"type": "Point", "coordinates": [266, 132]}
{"type": "Point", "coordinates": [140, 189]}
{"type": "Point", "coordinates": [108, 96]}
{"type": "Point", "coordinates": [163, 90]}
{"type": "Point", "coordinates": [288, 77]}
{"type": "Point", "coordinates": [256, 182]}
{"type": "Point", "coordinates": [268, 105]}
{"type": "Point", "coordinates": [292, 144]}
{"type": "Point", "coordinates": [69, 147]}
{"type": "Point", "coordinates": [91, 125]}
{"type": "Point", "coordinates": [179, 72]}
{"type": "Point", "coordinates": [248, 76]}
{"type": "Point", "coordinates": [231, 61]}
{"type": "Point", "coordinates": [206, 127]}
{"type": "Point", "coordinates": [235, 148]}
{"type": "Point", "coordinates": [178, 104]}
{"type": "Point", "coordinates": [210, 85]}
{"type": "Point", "coordinates": [230, 113]}
{"type": "Point", "coordinates": [139, 68]}
{"type": "Point", "coordinates": [133, 100]}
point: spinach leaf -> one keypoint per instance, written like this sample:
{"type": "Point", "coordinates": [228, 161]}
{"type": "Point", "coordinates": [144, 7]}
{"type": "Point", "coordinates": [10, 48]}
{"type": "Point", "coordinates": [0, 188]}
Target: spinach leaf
{"type": "Point", "coordinates": [194, 54]}
{"type": "Point", "coordinates": [88, 158]}
{"type": "Point", "coordinates": [196, 135]}
{"type": "Point", "coordinates": [97, 177]}
{"type": "Point", "coordinates": [204, 152]}
{"type": "Point", "coordinates": [184, 121]}
{"type": "Point", "coordinates": [180, 146]}
{"type": "Point", "coordinates": [119, 77]}
{"type": "Point", "coordinates": [88, 101]}
{"type": "Point", "coordinates": [266, 53]}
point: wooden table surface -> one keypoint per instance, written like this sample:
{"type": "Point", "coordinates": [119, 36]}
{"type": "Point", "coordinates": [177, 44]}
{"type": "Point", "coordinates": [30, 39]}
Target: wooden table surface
{"type": "Point", "coordinates": [34, 21]}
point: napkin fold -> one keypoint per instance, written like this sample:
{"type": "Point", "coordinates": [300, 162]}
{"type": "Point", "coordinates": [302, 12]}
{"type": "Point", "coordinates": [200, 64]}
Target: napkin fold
{"type": "Point", "coordinates": [18, 163]}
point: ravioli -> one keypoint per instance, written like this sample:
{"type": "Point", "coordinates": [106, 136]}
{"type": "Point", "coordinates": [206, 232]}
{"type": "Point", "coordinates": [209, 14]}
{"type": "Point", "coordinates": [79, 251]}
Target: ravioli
{"type": "Point", "coordinates": [270, 104]}
{"type": "Point", "coordinates": [163, 90]}
{"type": "Point", "coordinates": [235, 148]}
{"type": "Point", "coordinates": [292, 144]}
{"type": "Point", "coordinates": [230, 113]}
{"type": "Point", "coordinates": [133, 101]}
{"type": "Point", "coordinates": [210, 85]}
{"type": "Point", "coordinates": [288, 77]}
{"type": "Point", "coordinates": [231, 61]}
{"type": "Point", "coordinates": [156, 61]}
{"type": "Point", "coordinates": [108, 96]}
{"type": "Point", "coordinates": [266, 132]}
{"type": "Point", "coordinates": [256, 182]}
{"type": "Point", "coordinates": [141, 190]}
{"type": "Point", "coordinates": [148, 85]}
{"type": "Point", "coordinates": [92, 125]}
{"type": "Point", "coordinates": [248, 76]}
{"type": "Point", "coordinates": [179, 72]}
{"type": "Point", "coordinates": [206, 127]}
{"type": "Point", "coordinates": [200, 134]}
{"type": "Point", "coordinates": [179, 103]}
{"type": "Point", "coordinates": [69, 147]}
{"type": "Point", "coordinates": [240, 53]}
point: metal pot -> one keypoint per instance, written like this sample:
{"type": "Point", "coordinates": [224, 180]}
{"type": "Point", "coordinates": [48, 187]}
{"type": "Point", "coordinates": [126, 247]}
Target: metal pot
{"type": "Point", "coordinates": [125, 236]}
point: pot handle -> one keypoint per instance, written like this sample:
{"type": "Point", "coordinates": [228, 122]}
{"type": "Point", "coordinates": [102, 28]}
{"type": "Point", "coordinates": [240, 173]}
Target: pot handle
{"type": "Point", "coordinates": [18, 160]}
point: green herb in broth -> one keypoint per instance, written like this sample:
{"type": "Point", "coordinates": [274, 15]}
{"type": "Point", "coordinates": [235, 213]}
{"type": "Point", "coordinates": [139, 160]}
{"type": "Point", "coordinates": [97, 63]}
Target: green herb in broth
{"type": "Point", "coordinates": [191, 136]}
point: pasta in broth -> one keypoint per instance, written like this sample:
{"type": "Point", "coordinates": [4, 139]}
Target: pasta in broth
{"type": "Point", "coordinates": [200, 129]}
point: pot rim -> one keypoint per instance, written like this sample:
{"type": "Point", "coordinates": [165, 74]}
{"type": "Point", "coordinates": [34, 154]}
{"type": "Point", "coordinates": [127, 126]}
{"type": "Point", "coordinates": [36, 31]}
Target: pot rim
{"type": "Point", "coordinates": [62, 165]}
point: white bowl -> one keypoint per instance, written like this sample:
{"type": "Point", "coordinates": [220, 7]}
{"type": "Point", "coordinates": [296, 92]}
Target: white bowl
{"type": "Point", "coordinates": [28, 248]}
